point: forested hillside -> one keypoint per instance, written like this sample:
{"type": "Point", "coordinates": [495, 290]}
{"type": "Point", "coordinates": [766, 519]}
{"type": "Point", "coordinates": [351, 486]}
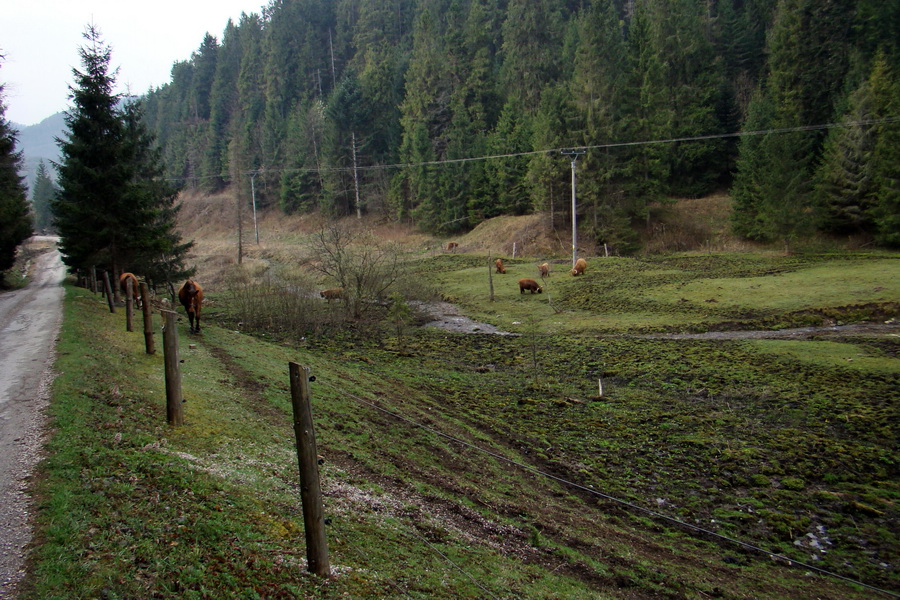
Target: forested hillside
{"type": "Point", "coordinates": [448, 112]}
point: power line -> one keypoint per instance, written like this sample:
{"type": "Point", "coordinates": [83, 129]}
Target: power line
{"type": "Point", "coordinates": [450, 161]}
{"type": "Point", "coordinates": [589, 490]}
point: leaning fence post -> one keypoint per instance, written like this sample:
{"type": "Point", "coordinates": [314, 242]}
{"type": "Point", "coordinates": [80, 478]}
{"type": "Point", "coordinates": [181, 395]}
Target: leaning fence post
{"type": "Point", "coordinates": [129, 305]}
{"type": "Point", "coordinates": [173, 370]}
{"type": "Point", "coordinates": [310, 491]}
{"type": "Point", "coordinates": [109, 295]}
{"type": "Point", "coordinates": [148, 318]}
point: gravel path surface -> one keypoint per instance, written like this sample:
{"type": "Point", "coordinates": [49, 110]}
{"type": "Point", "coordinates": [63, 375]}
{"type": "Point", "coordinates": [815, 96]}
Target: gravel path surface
{"type": "Point", "coordinates": [29, 326]}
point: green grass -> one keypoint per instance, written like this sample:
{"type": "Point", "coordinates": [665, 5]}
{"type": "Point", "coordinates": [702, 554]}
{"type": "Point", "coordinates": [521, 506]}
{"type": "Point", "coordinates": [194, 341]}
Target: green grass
{"type": "Point", "coordinates": [765, 441]}
{"type": "Point", "coordinates": [702, 291]}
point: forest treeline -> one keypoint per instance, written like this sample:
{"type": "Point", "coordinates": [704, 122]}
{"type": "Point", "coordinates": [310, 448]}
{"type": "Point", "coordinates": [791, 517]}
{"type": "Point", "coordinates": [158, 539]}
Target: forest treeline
{"type": "Point", "coordinates": [448, 112]}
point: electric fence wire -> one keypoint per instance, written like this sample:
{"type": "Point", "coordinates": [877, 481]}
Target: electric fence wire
{"type": "Point", "coordinates": [449, 161]}
{"type": "Point", "coordinates": [278, 433]}
{"type": "Point", "coordinates": [456, 566]}
{"type": "Point", "coordinates": [366, 558]}
{"type": "Point", "coordinates": [613, 499]}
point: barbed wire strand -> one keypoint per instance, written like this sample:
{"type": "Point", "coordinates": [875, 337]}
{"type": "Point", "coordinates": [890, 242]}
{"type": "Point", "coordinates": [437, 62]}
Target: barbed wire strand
{"type": "Point", "coordinates": [589, 490]}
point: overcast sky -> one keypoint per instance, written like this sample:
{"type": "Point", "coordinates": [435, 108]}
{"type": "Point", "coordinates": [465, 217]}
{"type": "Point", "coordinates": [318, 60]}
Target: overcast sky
{"type": "Point", "coordinates": [40, 40]}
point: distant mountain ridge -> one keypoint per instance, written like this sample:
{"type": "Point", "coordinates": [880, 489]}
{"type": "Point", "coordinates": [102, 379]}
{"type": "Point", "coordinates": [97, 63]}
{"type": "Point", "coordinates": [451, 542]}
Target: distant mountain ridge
{"type": "Point", "coordinates": [38, 142]}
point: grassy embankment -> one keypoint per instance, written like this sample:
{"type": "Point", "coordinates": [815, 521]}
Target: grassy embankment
{"type": "Point", "coordinates": [789, 445]}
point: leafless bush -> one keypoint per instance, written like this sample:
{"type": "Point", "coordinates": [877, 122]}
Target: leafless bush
{"type": "Point", "coordinates": [365, 266]}
{"type": "Point", "coordinates": [291, 307]}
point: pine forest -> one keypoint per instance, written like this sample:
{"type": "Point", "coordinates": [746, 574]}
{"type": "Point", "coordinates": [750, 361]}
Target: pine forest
{"type": "Point", "coordinates": [444, 113]}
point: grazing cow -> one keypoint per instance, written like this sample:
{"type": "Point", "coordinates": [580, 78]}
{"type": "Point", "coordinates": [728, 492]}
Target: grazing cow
{"type": "Point", "coordinates": [530, 284]}
{"type": "Point", "coordinates": [124, 278]}
{"type": "Point", "coordinates": [544, 270]}
{"type": "Point", "coordinates": [332, 294]}
{"type": "Point", "coordinates": [191, 297]}
{"type": "Point", "coordinates": [451, 246]}
{"type": "Point", "coordinates": [580, 266]}
{"type": "Point", "coordinates": [500, 267]}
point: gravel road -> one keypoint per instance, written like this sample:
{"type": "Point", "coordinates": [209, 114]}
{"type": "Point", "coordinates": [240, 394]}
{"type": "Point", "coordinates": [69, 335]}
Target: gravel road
{"type": "Point", "coordinates": [29, 326]}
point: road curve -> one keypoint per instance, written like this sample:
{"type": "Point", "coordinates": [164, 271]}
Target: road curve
{"type": "Point", "coordinates": [29, 326]}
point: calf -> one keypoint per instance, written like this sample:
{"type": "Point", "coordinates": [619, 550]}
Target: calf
{"type": "Point", "coordinates": [544, 270]}
{"type": "Point", "coordinates": [191, 297]}
{"type": "Point", "coordinates": [530, 284]}
{"type": "Point", "coordinates": [500, 267]}
{"type": "Point", "coordinates": [332, 294]}
{"type": "Point", "coordinates": [451, 246]}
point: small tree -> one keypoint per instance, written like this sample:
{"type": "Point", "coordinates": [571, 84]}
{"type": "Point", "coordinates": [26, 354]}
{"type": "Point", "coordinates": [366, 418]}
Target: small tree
{"type": "Point", "coordinates": [358, 261]}
{"type": "Point", "coordinates": [399, 314]}
{"type": "Point", "coordinates": [41, 197]}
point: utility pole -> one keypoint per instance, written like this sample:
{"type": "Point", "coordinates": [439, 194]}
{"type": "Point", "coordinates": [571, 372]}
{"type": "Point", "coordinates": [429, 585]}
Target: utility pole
{"type": "Point", "coordinates": [574, 153]}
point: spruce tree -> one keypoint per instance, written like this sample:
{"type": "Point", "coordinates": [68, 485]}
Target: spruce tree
{"type": "Point", "coordinates": [15, 221]}
{"type": "Point", "coordinates": [113, 210]}
{"type": "Point", "coordinates": [41, 197]}
{"type": "Point", "coordinates": [91, 179]}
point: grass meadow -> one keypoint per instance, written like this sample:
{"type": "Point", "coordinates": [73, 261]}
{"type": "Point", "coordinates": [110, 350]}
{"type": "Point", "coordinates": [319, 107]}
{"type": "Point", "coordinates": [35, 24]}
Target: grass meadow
{"type": "Point", "coordinates": [490, 466]}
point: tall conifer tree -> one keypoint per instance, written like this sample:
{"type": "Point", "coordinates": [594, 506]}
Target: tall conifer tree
{"type": "Point", "coordinates": [41, 197]}
{"type": "Point", "coordinates": [113, 210]}
{"type": "Point", "coordinates": [15, 221]}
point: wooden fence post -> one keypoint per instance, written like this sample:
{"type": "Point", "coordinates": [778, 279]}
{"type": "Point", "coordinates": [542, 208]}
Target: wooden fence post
{"type": "Point", "coordinates": [94, 279]}
{"type": "Point", "coordinates": [174, 398]}
{"type": "Point", "coordinates": [148, 318]}
{"type": "Point", "coordinates": [129, 305]}
{"type": "Point", "coordinates": [109, 295]}
{"type": "Point", "coordinates": [491, 277]}
{"type": "Point", "coordinates": [310, 491]}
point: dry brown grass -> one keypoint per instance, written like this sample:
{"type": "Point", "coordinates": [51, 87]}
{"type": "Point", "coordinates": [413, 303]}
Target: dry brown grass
{"type": "Point", "coordinates": [693, 224]}
{"type": "Point", "coordinates": [689, 224]}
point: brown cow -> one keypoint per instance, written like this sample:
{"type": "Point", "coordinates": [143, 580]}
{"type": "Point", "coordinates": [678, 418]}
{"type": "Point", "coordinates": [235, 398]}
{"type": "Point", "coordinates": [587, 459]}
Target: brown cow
{"type": "Point", "coordinates": [124, 278]}
{"type": "Point", "coordinates": [191, 297]}
{"type": "Point", "coordinates": [580, 266]}
{"type": "Point", "coordinates": [332, 294]}
{"type": "Point", "coordinates": [529, 284]}
{"type": "Point", "coordinates": [544, 270]}
{"type": "Point", "coordinates": [500, 267]}
{"type": "Point", "coordinates": [451, 246]}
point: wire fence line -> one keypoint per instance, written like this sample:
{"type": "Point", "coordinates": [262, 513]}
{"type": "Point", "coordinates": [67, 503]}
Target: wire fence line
{"type": "Point", "coordinates": [629, 505]}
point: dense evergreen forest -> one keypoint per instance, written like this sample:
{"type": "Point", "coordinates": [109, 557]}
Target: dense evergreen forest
{"type": "Point", "coordinates": [448, 112]}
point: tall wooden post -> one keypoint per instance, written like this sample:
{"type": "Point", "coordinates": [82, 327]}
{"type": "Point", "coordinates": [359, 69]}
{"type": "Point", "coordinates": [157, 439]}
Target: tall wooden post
{"type": "Point", "coordinates": [129, 305]}
{"type": "Point", "coordinates": [310, 491]}
{"type": "Point", "coordinates": [94, 279]}
{"type": "Point", "coordinates": [174, 398]}
{"type": "Point", "coordinates": [109, 295]}
{"type": "Point", "coordinates": [148, 318]}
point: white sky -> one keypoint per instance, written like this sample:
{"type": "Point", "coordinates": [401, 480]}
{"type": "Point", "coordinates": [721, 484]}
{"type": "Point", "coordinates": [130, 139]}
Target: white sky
{"type": "Point", "coordinates": [40, 40]}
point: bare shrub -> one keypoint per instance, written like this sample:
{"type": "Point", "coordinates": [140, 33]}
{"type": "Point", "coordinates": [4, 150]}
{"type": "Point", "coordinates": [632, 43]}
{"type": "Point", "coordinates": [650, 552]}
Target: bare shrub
{"type": "Point", "coordinates": [282, 306]}
{"type": "Point", "coordinates": [355, 259]}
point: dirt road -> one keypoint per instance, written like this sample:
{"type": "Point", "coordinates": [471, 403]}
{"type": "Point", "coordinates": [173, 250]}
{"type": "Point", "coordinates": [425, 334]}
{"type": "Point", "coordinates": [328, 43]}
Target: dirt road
{"type": "Point", "coordinates": [29, 325]}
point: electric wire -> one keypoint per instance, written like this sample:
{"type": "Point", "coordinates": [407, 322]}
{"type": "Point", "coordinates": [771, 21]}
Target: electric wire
{"type": "Point", "coordinates": [613, 499]}
{"type": "Point", "coordinates": [456, 566]}
{"type": "Point", "coordinates": [450, 161]}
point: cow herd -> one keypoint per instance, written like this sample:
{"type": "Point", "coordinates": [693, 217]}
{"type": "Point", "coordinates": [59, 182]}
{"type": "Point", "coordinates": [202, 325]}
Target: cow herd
{"type": "Point", "coordinates": [190, 295]}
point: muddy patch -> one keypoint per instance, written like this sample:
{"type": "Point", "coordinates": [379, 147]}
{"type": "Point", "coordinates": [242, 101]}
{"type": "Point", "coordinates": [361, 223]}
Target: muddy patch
{"type": "Point", "coordinates": [445, 315]}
